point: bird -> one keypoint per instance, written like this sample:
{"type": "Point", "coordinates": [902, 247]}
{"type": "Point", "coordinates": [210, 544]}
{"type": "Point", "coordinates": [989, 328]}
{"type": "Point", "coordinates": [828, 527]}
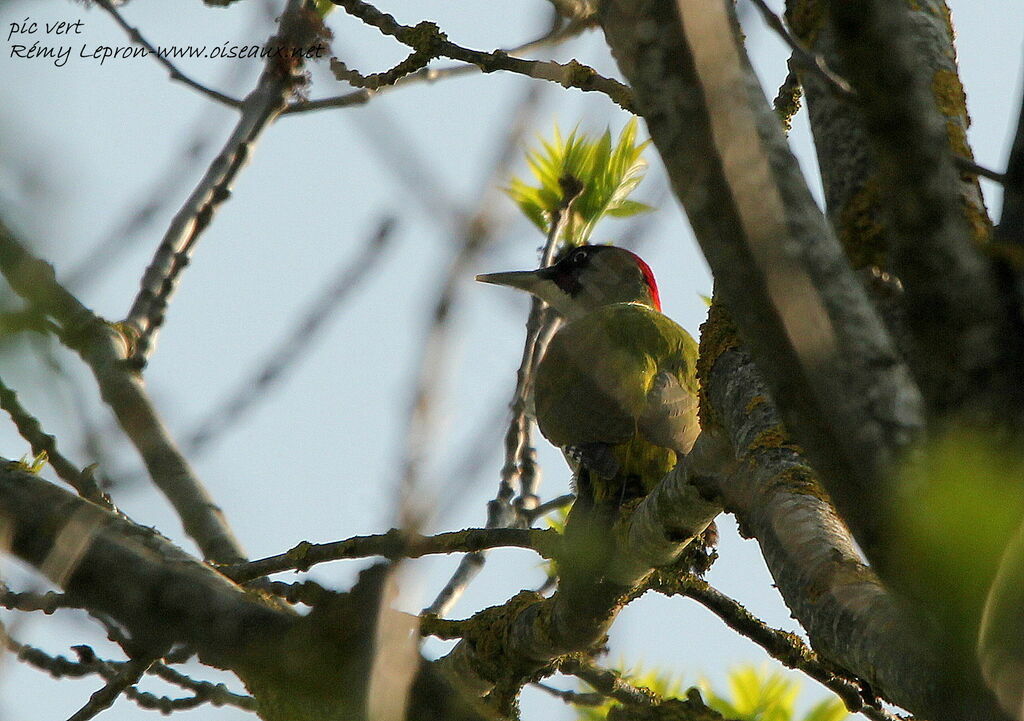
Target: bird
{"type": "Point", "coordinates": [616, 389]}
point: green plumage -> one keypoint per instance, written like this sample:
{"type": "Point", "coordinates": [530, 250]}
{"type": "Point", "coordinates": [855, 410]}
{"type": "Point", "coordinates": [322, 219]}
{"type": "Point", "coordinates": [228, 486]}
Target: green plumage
{"type": "Point", "coordinates": [619, 383]}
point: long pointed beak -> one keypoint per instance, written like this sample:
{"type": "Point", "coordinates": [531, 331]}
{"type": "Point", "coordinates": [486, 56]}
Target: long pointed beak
{"type": "Point", "coordinates": [527, 280]}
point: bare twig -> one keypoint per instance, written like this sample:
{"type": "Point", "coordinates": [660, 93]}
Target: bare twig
{"type": "Point", "coordinates": [26, 601]}
{"type": "Point", "coordinates": [167, 705]}
{"type": "Point", "coordinates": [395, 544]}
{"type": "Point", "coordinates": [428, 38]}
{"type": "Point", "coordinates": [443, 628]}
{"type": "Point", "coordinates": [41, 442]}
{"type": "Point", "coordinates": [89, 663]}
{"type": "Point", "coordinates": [575, 698]}
{"type": "Point", "coordinates": [103, 348]}
{"type": "Point", "coordinates": [176, 74]}
{"type": "Point", "coordinates": [56, 666]}
{"type": "Point", "coordinates": [258, 110]}
{"type": "Point", "coordinates": [290, 349]}
{"type": "Point", "coordinates": [306, 592]}
{"type": "Point", "coordinates": [553, 505]}
{"type": "Point", "coordinates": [804, 57]}
{"type": "Point", "coordinates": [476, 232]}
{"type": "Point", "coordinates": [787, 648]}
{"type": "Point", "coordinates": [416, 61]}
{"type": "Point", "coordinates": [468, 569]}
{"type": "Point", "coordinates": [966, 165]}
{"type": "Point", "coordinates": [127, 676]}
{"type": "Point", "coordinates": [519, 455]}
{"type": "Point", "coordinates": [608, 683]}
{"type": "Point", "coordinates": [430, 75]}
{"type": "Point", "coordinates": [205, 692]}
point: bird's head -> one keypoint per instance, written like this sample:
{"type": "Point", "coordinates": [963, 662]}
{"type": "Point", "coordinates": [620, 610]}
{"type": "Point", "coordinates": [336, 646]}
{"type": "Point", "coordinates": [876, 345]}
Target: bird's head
{"type": "Point", "coordinates": [585, 278]}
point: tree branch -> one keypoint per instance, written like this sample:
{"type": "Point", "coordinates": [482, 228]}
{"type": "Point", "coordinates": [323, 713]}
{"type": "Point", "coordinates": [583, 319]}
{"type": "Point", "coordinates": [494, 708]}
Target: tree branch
{"type": "Point", "coordinates": [132, 574]}
{"type": "Point", "coordinates": [176, 74]}
{"type": "Point", "coordinates": [574, 698]}
{"type": "Point", "coordinates": [41, 442]}
{"type": "Point", "coordinates": [826, 355]}
{"type": "Point", "coordinates": [428, 38]}
{"type": "Point", "coordinates": [608, 683]}
{"type": "Point", "coordinates": [886, 50]}
{"type": "Point", "coordinates": [395, 544]}
{"type": "Point", "coordinates": [533, 632]}
{"type": "Point", "coordinates": [302, 668]}
{"type": "Point", "coordinates": [851, 619]}
{"type": "Point", "coordinates": [258, 111]}
{"type": "Point", "coordinates": [127, 676]}
{"type": "Point", "coordinates": [430, 75]}
{"type": "Point", "coordinates": [785, 647]}
{"type": "Point", "coordinates": [204, 692]}
{"type": "Point", "coordinates": [104, 349]}
{"type": "Point", "coordinates": [26, 601]}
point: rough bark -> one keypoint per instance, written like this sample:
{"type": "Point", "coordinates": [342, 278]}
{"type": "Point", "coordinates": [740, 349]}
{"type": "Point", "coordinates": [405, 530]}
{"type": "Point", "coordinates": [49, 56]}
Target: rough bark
{"type": "Point", "coordinates": [313, 667]}
{"type": "Point", "coordinates": [513, 642]}
{"type": "Point", "coordinates": [898, 201]}
{"type": "Point", "coordinates": [851, 618]}
{"type": "Point", "coordinates": [825, 354]}
{"type": "Point", "coordinates": [839, 383]}
{"type": "Point", "coordinates": [105, 349]}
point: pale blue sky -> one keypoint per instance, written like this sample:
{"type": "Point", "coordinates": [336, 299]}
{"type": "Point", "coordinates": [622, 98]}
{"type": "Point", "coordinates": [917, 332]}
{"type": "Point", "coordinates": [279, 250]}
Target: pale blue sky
{"type": "Point", "coordinates": [318, 459]}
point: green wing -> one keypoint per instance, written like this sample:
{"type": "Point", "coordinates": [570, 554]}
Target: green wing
{"type": "Point", "coordinates": [670, 418]}
{"type": "Point", "coordinates": [619, 371]}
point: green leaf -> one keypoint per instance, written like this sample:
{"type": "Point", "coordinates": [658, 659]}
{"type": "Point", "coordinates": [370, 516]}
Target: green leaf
{"type": "Point", "coordinates": [829, 709]}
{"type": "Point", "coordinates": [609, 169]}
{"type": "Point", "coordinates": [35, 464]}
{"type": "Point", "coordinates": [756, 694]}
{"type": "Point", "coordinates": [628, 208]}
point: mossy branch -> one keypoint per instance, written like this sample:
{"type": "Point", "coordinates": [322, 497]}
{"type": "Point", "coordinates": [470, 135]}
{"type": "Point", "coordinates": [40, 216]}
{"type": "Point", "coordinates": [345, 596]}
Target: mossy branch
{"type": "Point", "coordinates": [426, 38]}
{"type": "Point", "coordinates": [396, 544]}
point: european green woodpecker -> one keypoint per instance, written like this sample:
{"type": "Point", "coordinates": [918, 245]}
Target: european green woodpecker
{"type": "Point", "coordinates": [616, 388]}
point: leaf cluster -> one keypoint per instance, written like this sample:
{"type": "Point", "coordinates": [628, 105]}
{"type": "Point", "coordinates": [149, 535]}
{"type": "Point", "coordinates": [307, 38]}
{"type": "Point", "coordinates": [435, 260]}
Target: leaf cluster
{"type": "Point", "coordinates": [755, 694]}
{"type": "Point", "coordinates": [608, 171]}
{"type": "Point", "coordinates": [35, 464]}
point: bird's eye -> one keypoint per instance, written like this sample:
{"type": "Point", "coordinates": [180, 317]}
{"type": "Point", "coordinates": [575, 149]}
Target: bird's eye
{"type": "Point", "coordinates": [579, 256]}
